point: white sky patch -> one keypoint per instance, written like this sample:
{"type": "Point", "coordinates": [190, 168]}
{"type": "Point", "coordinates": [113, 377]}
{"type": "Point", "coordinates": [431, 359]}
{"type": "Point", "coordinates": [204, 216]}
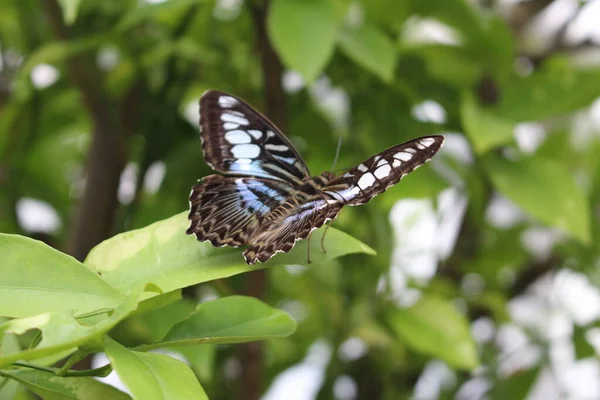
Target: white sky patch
{"type": "Point", "coordinates": [540, 33]}
{"type": "Point", "coordinates": [345, 388]}
{"type": "Point", "coordinates": [332, 101]}
{"type": "Point", "coordinates": [427, 30]}
{"type": "Point", "coordinates": [352, 349]}
{"type": "Point", "coordinates": [586, 127]}
{"type": "Point", "coordinates": [227, 10]}
{"type": "Point", "coordinates": [44, 75]}
{"type": "Point", "coordinates": [191, 113]}
{"type": "Point", "coordinates": [127, 184]}
{"type": "Point", "coordinates": [292, 82]}
{"type": "Point", "coordinates": [456, 146]}
{"type": "Point", "coordinates": [483, 330]}
{"type": "Point", "coordinates": [296, 309]}
{"type": "Point", "coordinates": [108, 58]}
{"type": "Point", "coordinates": [429, 111]}
{"type": "Point", "coordinates": [423, 236]}
{"type": "Point", "coordinates": [100, 360]}
{"type": "Point", "coordinates": [154, 176]}
{"type": "Point", "coordinates": [436, 376]}
{"type": "Point", "coordinates": [585, 25]}
{"type": "Point", "coordinates": [540, 241]}
{"type": "Point", "coordinates": [529, 136]}
{"type": "Point", "coordinates": [303, 380]}
{"type": "Point", "coordinates": [503, 213]}
{"type": "Point", "coordinates": [37, 216]}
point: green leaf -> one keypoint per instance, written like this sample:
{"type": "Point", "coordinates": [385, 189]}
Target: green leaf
{"type": "Point", "coordinates": [60, 331]}
{"type": "Point", "coordinates": [304, 47]}
{"type": "Point", "coordinates": [35, 278]}
{"type": "Point", "coordinates": [233, 319]}
{"type": "Point", "coordinates": [152, 326]}
{"type": "Point", "coordinates": [516, 386]}
{"type": "Point", "coordinates": [153, 376]}
{"type": "Point", "coordinates": [51, 387]}
{"type": "Point", "coordinates": [163, 254]}
{"type": "Point", "coordinates": [544, 189]}
{"type": "Point", "coordinates": [434, 326]}
{"type": "Point", "coordinates": [371, 48]}
{"type": "Point", "coordinates": [8, 387]}
{"type": "Point", "coordinates": [146, 11]}
{"type": "Point", "coordinates": [558, 88]}
{"type": "Point", "coordinates": [70, 8]}
{"type": "Point", "coordinates": [483, 126]}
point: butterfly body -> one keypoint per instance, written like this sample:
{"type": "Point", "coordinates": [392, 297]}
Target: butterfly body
{"type": "Point", "coordinates": [266, 198]}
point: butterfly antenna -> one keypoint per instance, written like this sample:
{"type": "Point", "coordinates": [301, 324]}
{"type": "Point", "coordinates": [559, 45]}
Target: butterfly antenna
{"type": "Point", "coordinates": [337, 152]}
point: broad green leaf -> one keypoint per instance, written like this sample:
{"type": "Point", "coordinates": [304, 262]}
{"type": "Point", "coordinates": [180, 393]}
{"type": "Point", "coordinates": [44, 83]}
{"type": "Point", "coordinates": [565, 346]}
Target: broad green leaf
{"type": "Point", "coordinates": [516, 386]}
{"type": "Point", "coordinates": [233, 319]}
{"type": "Point", "coordinates": [35, 278]}
{"type": "Point", "coordinates": [433, 326]}
{"type": "Point", "coordinates": [557, 88]}
{"type": "Point", "coordinates": [483, 126]}
{"type": "Point", "coordinates": [200, 358]}
{"type": "Point", "coordinates": [453, 65]}
{"type": "Point", "coordinates": [152, 326]}
{"type": "Point", "coordinates": [544, 189]}
{"type": "Point", "coordinates": [163, 254]}
{"type": "Point", "coordinates": [8, 387]}
{"type": "Point", "coordinates": [51, 387]}
{"type": "Point", "coordinates": [152, 376]}
{"type": "Point", "coordinates": [370, 48]}
{"type": "Point", "coordinates": [70, 8]}
{"type": "Point", "coordinates": [60, 331]}
{"type": "Point", "coordinates": [303, 34]}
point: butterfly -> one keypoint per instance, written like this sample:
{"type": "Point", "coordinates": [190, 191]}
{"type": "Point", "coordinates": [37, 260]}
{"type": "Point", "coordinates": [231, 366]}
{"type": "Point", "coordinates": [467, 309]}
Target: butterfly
{"type": "Point", "coordinates": [266, 197]}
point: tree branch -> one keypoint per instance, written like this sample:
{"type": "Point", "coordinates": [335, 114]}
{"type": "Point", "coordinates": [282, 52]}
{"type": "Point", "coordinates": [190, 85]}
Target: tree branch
{"type": "Point", "coordinates": [95, 213]}
{"type": "Point", "coordinates": [275, 108]}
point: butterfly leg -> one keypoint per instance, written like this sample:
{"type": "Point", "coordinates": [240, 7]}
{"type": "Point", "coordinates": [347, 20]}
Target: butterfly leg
{"type": "Point", "coordinates": [308, 251]}
{"type": "Point", "coordinates": [323, 237]}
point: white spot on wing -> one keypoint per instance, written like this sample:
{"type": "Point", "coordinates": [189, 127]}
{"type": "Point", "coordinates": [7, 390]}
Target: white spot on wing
{"type": "Point", "coordinates": [366, 180]}
{"type": "Point", "coordinates": [255, 133]}
{"type": "Point", "coordinates": [245, 151]}
{"type": "Point", "coordinates": [403, 156]}
{"type": "Point", "coordinates": [396, 163]}
{"type": "Point", "coordinates": [383, 171]}
{"type": "Point", "coordinates": [237, 137]}
{"type": "Point", "coordinates": [276, 147]}
{"type": "Point", "coordinates": [362, 168]}
{"type": "Point", "coordinates": [230, 125]}
{"type": "Point", "coordinates": [228, 117]}
{"type": "Point", "coordinates": [382, 162]}
{"type": "Point", "coordinates": [270, 134]}
{"type": "Point", "coordinates": [227, 101]}
{"type": "Point", "coordinates": [427, 141]}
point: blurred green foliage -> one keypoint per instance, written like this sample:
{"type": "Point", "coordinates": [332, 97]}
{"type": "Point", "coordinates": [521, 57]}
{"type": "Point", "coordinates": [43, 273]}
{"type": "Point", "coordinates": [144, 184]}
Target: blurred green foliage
{"type": "Point", "coordinates": [153, 60]}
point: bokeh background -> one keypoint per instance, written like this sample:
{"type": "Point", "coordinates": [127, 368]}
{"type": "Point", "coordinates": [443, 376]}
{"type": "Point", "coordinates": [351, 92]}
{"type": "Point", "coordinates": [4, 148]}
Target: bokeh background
{"type": "Point", "coordinates": [486, 280]}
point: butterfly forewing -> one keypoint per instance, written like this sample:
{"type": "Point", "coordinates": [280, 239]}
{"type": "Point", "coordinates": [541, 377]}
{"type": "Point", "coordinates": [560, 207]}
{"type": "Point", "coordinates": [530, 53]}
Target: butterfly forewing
{"type": "Point", "coordinates": [228, 210]}
{"type": "Point", "coordinates": [238, 140]}
{"type": "Point", "coordinates": [374, 175]}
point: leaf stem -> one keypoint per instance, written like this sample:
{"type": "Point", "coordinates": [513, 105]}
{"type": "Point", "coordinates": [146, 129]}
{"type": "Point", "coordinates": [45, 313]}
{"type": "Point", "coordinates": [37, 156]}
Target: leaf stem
{"type": "Point", "coordinates": [99, 372]}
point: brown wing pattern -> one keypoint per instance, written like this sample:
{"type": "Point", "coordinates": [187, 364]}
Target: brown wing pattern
{"type": "Point", "coordinates": [227, 210]}
{"type": "Point", "coordinates": [283, 227]}
{"type": "Point", "coordinates": [376, 174]}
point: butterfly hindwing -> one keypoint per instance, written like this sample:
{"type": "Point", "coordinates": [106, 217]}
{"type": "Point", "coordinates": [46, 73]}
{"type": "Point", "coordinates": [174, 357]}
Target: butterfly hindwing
{"type": "Point", "coordinates": [291, 221]}
{"type": "Point", "coordinates": [227, 210]}
{"type": "Point", "coordinates": [238, 140]}
{"type": "Point", "coordinates": [376, 174]}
